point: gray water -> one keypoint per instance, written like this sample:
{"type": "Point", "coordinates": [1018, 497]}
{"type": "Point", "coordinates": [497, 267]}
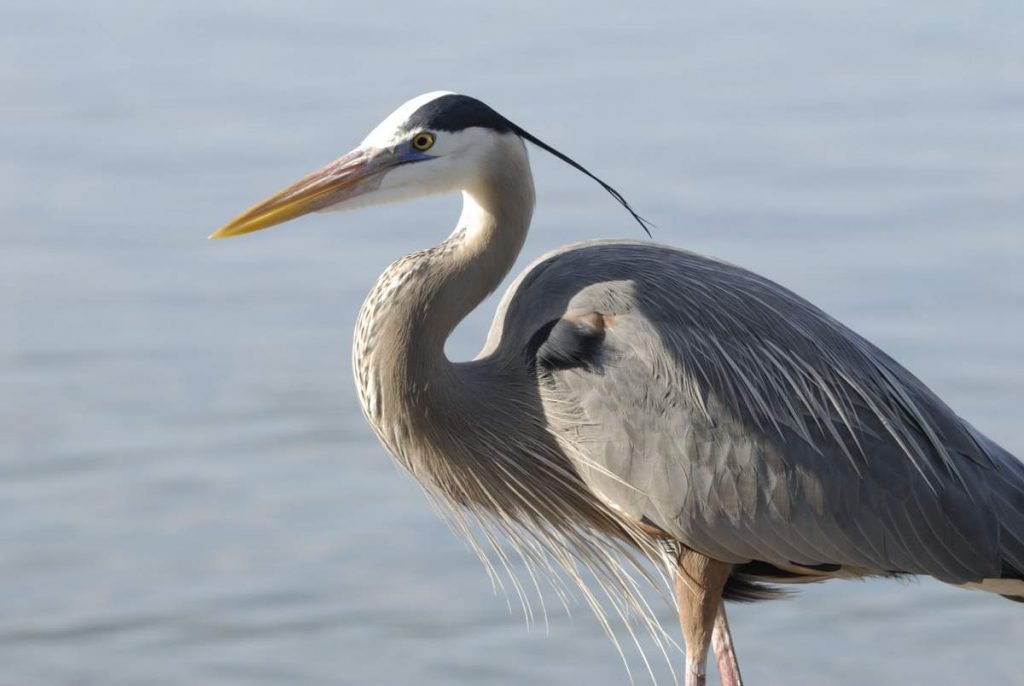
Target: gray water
{"type": "Point", "coordinates": [188, 493]}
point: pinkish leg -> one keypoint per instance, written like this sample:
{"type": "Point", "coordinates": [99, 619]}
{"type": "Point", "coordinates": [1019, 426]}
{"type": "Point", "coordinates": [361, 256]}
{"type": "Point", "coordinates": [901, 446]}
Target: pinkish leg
{"type": "Point", "coordinates": [721, 640]}
{"type": "Point", "coordinates": [698, 584]}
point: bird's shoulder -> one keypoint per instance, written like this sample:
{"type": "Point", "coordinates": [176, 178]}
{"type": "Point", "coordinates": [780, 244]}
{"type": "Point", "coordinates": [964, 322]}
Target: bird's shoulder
{"type": "Point", "coordinates": [605, 276]}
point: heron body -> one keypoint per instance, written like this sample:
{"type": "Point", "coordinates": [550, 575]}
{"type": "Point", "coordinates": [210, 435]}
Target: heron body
{"type": "Point", "coordinates": [631, 393]}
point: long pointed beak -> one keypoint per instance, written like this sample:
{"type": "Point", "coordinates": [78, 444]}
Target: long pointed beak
{"type": "Point", "coordinates": [346, 177]}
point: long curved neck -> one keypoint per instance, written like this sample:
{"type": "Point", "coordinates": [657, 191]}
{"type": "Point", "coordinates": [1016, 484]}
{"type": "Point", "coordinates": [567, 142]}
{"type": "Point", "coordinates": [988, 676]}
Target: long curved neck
{"type": "Point", "coordinates": [407, 386]}
{"type": "Point", "coordinates": [459, 273]}
{"type": "Point", "coordinates": [474, 434]}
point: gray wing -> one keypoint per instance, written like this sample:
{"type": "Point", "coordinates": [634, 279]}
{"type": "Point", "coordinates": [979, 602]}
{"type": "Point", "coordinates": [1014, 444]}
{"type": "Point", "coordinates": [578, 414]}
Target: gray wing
{"type": "Point", "coordinates": [752, 426]}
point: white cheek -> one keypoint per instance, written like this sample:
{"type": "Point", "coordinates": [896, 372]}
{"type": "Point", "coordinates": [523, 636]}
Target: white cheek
{"type": "Point", "coordinates": [457, 160]}
{"type": "Point", "coordinates": [438, 175]}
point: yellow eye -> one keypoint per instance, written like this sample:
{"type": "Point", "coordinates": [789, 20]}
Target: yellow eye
{"type": "Point", "coordinates": [422, 141]}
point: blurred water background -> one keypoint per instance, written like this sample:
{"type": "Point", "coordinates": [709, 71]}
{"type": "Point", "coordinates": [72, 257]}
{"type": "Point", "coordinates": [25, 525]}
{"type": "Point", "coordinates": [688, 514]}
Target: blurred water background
{"type": "Point", "coordinates": [188, 493]}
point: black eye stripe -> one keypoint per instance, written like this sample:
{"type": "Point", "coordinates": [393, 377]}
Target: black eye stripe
{"type": "Point", "coordinates": [453, 113]}
{"type": "Point", "coordinates": [456, 113]}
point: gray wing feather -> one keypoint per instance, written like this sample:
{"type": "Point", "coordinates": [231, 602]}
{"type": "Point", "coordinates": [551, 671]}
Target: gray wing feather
{"type": "Point", "coordinates": [753, 426]}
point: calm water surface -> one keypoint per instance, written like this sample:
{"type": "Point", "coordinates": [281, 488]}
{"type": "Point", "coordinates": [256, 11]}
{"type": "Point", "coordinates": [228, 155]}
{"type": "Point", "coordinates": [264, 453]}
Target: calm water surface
{"type": "Point", "coordinates": [188, 493]}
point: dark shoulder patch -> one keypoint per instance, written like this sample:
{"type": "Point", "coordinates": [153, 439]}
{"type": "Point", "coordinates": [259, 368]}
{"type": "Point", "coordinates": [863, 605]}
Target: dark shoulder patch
{"type": "Point", "coordinates": [1010, 572]}
{"type": "Point", "coordinates": [569, 342]}
{"type": "Point", "coordinates": [457, 112]}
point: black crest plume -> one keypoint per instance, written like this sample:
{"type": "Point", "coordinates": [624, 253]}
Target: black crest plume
{"type": "Point", "coordinates": [458, 112]}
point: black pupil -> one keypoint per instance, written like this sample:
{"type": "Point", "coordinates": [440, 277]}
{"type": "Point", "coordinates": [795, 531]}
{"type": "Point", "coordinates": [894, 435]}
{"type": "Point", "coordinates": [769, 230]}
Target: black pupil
{"type": "Point", "coordinates": [422, 142]}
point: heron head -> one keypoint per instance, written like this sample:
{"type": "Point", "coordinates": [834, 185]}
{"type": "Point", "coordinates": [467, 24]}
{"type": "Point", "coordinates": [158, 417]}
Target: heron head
{"type": "Point", "coordinates": [435, 143]}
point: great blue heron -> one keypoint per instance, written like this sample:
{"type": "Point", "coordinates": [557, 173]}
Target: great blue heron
{"type": "Point", "coordinates": [633, 396]}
